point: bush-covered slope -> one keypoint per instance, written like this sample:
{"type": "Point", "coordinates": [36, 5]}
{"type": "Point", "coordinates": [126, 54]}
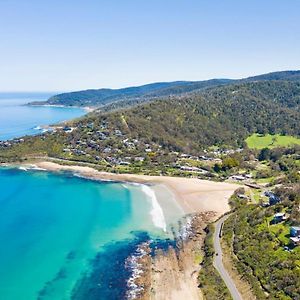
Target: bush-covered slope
{"type": "Point", "coordinates": [283, 75]}
{"type": "Point", "coordinates": [132, 95]}
{"type": "Point", "coordinates": [105, 96]}
{"type": "Point", "coordinates": [223, 115]}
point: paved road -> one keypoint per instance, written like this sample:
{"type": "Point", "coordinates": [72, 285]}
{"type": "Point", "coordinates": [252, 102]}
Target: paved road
{"type": "Point", "coordinates": [218, 263]}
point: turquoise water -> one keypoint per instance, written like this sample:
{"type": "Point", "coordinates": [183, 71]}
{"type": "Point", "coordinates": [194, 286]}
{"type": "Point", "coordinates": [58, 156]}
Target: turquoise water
{"type": "Point", "coordinates": [17, 119]}
{"type": "Point", "coordinates": [64, 237]}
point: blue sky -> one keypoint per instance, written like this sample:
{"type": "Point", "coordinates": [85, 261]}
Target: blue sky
{"type": "Point", "coordinates": [72, 45]}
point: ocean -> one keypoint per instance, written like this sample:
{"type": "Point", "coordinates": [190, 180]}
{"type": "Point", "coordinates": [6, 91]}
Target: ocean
{"type": "Point", "coordinates": [17, 119]}
{"type": "Point", "coordinates": [66, 237]}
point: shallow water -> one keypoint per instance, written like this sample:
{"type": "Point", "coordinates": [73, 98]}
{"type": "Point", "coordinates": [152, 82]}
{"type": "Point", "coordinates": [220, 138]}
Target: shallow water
{"type": "Point", "coordinates": [64, 237]}
{"type": "Point", "coordinates": [17, 119]}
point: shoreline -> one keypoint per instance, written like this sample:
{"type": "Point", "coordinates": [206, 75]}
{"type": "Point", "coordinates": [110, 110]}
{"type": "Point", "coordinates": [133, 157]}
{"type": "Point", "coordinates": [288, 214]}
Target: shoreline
{"type": "Point", "coordinates": [88, 109]}
{"type": "Point", "coordinates": [193, 195]}
{"type": "Point", "coordinates": [170, 273]}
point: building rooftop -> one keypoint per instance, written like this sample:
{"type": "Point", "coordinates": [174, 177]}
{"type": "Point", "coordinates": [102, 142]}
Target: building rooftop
{"type": "Point", "coordinates": [295, 227]}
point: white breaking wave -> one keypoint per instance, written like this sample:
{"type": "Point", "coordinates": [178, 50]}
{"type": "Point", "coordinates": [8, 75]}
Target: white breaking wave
{"type": "Point", "coordinates": [134, 264]}
{"type": "Point", "coordinates": [186, 231]}
{"type": "Point", "coordinates": [156, 212]}
{"type": "Point", "coordinates": [35, 168]}
{"type": "Point", "coordinates": [23, 169]}
{"type": "Point", "coordinates": [31, 168]}
{"type": "Point", "coordinates": [125, 186]}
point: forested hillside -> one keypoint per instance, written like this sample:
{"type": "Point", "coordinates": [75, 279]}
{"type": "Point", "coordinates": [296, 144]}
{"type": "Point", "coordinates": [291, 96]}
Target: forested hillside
{"type": "Point", "coordinates": [104, 96]}
{"type": "Point", "coordinates": [218, 116]}
{"type": "Point", "coordinates": [129, 96]}
{"type": "Point", "coordinates": [222, 116]}
{"type": "Point", "coordinates": [283, 75]}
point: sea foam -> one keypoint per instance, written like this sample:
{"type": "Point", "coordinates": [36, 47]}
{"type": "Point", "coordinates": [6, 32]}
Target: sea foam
{"type": "Point", "coordinates": [156, 212]}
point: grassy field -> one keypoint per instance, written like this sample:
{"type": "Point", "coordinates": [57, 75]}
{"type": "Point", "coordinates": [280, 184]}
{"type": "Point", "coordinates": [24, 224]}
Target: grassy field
{"type": "Point", "coordinates": [257, 141]}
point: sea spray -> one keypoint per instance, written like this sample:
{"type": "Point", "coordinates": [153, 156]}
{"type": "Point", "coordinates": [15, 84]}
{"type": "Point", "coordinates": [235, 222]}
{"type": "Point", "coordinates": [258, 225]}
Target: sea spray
{"type": "Point", "coordinates": [156, 211]}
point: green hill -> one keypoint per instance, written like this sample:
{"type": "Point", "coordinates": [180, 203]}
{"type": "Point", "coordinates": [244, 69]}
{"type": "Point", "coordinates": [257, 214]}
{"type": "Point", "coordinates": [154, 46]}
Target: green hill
{"type": "Point", "coordinates": [128, 96]}
{"type": "Point", "coordinates": [188, 122]}
{"type": "Point", "coordinates": [218, 116]}
{"type": "Point", "coordinates": [104, 96]}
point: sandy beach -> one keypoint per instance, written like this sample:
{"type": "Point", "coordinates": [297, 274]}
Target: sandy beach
{"type": "Point", "coordinates": [193, 195]}
{"type": "Point", "coordinates": [170, 276]}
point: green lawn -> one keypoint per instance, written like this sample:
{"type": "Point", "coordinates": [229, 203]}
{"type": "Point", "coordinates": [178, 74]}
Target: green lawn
{"type": "Point", "coordinates": [257, 141]}
{"type": "Point", "coordinates": [256, 195]}
{"type": "Point", "coordinates": [265, 180]}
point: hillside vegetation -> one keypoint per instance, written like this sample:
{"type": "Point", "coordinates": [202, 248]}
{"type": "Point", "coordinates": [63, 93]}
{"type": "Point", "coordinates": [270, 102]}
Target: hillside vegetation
{"type": "Point", "coordinates": [142, 93]}
{"type": "Point", "coordinates": [260, 247]}
{"type": "Point", "coordinates": [219, 116]}
{"type": "Point", "coordinates": [199, 133]}
{"type": "Point", "coordinates": [222, 116]}
{"type": "Point", "coordinates": [132, 95]}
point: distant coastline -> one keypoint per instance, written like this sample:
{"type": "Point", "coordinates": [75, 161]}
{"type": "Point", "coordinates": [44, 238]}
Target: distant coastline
{"type": "Point", "coordinates": [86, 108]}
{"type": "Point", "coordinates": [18, 119]}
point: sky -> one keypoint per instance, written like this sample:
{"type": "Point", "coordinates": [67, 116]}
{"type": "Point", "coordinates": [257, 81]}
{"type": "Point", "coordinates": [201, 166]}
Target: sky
{"type": "Point", "coordinates": [53, 45]}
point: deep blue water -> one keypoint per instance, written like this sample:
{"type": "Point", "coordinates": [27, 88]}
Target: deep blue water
{"type": "Point", "coordinates": [64, 237]}
{"type": "Point", "coordinates": [17, 119]}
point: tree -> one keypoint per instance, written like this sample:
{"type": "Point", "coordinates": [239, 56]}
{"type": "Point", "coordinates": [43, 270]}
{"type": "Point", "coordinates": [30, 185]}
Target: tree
{"type": "Point", "coordinates": [264, 154]}
{"type": "Point", "coordinates": [229, 163]}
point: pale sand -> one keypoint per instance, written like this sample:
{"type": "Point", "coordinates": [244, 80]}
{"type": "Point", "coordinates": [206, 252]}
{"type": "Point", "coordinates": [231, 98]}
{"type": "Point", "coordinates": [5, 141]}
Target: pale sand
{"type": "Point", "coordinates": [192, 194]}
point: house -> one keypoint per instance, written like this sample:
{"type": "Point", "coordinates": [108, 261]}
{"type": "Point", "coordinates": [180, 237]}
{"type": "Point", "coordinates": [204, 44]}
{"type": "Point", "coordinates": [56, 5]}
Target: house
{"type": "Point", "coordinates": [139, 158]}
{"type": "Point", "coordinates": [90, 125]}
{"type": "Point", "coordinates": [68, 129]}
{"type": "Point", "coordinates": [202, 157]}
{"type": "Point", "coordinates": [124, 163]}
{"type": "Point", "coordinates": [279, 217]}
{"type": "Point", "coordinates": [118, 132]}
{"type": "Point", "coordinates": [295, 231]}
{"type": "Point", "coordinates": [273, 199]}
{"type": "Point", "coordinates": [191, 169]}
{"type": "Point", "coordinates": [237, 177]}
{"type": "Point", "coordinates": [102, 135]}
{"type": "Point", "coordinates": [243, 196]}
{"type": "Point", "coordinates": [295, 241]}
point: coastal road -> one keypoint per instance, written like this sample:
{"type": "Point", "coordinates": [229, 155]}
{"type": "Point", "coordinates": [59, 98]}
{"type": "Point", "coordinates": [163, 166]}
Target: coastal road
{"type": "Point", "coordinates": [218, 262]}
